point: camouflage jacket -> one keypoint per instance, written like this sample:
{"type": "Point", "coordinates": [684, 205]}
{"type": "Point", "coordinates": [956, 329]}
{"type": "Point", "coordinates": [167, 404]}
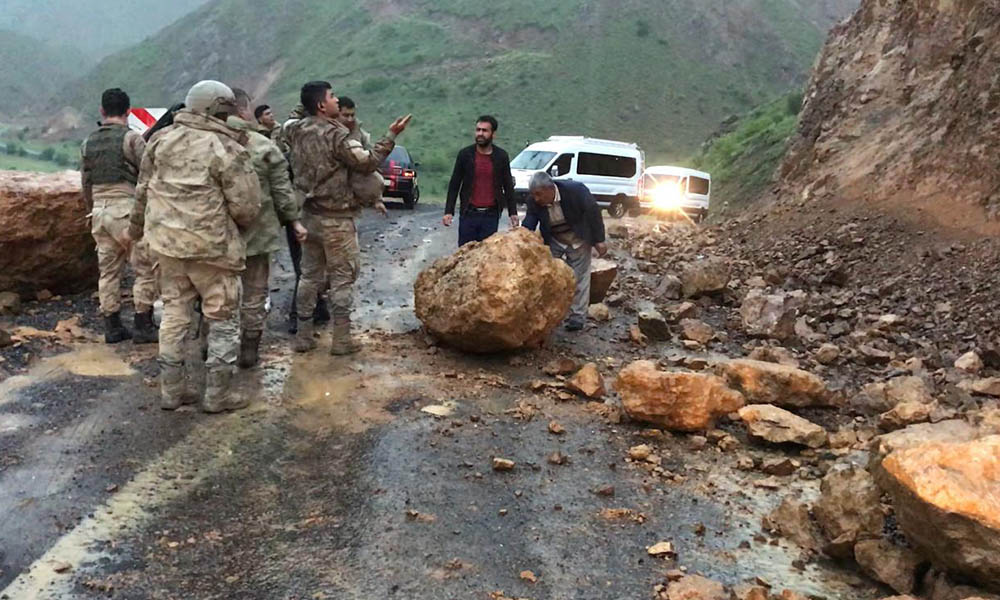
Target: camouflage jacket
{"type": "Point", "coordinates": [196, 190]}
{"type": "Point", "coordinates": [323, 156]}
{"type": "Point", "coordinates": [277, 201]}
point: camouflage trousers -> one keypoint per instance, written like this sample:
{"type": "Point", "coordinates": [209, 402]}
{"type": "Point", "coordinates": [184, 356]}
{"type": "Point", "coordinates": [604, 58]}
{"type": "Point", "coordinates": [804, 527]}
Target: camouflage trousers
{"type": "Point", "coordinates": [331, 251]}
{"type": "Point", "coordinates": [253, 309]}
{"type": "Point", "coordinates": [112, 255]}
{"type": "Point", "coordinates": [184, 281]}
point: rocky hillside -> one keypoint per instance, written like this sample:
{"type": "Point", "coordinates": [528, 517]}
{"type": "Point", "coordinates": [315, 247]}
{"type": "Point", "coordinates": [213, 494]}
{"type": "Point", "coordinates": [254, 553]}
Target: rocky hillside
{"type": "Point", "coordinates": [903, 112]}
{"type": "Point", "coordinates": [663, 75]}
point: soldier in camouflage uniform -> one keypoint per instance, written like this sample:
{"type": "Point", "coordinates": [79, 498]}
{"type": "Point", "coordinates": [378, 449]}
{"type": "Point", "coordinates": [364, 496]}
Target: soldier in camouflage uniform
{"type": "Point", "coordinates": [277, 203]}
{"type": "Point", "coordinates": [322, 158]}
{"type": "Point", "coordinates": [321, 314]}
{"type": "Point", "coordinates": [197, 190]}
{"type": "Point", "coordinates": [110, 159]}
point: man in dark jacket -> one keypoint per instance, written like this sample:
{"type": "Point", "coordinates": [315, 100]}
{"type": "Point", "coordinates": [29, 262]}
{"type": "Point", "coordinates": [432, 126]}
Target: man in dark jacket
{"type": "Point", "coordinates": [572, 227]}
{"type": "Point", "coordinates": [483, 183]}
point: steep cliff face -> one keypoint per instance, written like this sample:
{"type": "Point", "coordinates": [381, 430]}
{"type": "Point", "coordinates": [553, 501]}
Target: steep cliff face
{"type": "Point", "coordinates": [903, 111]}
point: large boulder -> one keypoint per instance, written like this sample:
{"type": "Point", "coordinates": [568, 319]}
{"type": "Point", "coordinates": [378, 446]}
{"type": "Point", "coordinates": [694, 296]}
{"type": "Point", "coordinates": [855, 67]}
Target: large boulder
{"type": "Point", "coordinates": [951, 431]}
{"type": "Point", "coordinates": [947, 501]}
{"type": "Point", "coordinates": [770, 383]}
{"type": "Point", "coordinates": [602, 275]}
{"type": "Point", "coordinates": [771, 315]}
{"type": "Point", "coordinates": [505, 293]}
{"type": "Point", "coordinates": [45, 240]}
{"type": "Point", "coordinates": [777, 425]}
{"type": "Point", "coordinates": [678, 401]}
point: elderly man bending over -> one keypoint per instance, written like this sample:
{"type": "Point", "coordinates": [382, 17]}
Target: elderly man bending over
{"type": "Point", "coordinates": [572, 227]}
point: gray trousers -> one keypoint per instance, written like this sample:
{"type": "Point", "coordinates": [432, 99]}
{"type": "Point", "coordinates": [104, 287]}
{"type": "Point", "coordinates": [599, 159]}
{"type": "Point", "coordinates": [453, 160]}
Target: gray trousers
{"type": "Point", "coordinates": [579, 260]}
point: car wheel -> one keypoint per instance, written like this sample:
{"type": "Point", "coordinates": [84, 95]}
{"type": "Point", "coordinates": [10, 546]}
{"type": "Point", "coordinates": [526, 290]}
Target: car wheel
{"type": "Point", "coordinates": [408, 201]}
{"type": "Point", "coordinates": [617, 209]}
{"type": "Point", "coordinates": [416, 195]}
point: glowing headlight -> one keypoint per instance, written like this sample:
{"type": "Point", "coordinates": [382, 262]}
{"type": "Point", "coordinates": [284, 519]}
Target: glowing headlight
{"type": "Point", "coordinates": [667, 197]}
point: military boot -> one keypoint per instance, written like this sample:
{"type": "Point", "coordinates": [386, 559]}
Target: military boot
{"type": "Point", "coordinates": [219, 396]}
{"type": "Point", "coordinates": [249, 349]}
{"type": "Point", "coordinates": [304, 341]}
{"type": "Point", "coordinates": [114, 330]}
{"type": "Point", "coordinates": [321, 314]}
{"type": "Point", "coordinates": [171, 387]}
{"type": "Point", "coordinates": [145, 329]}
{"type": "Point", "coordinates": [343, 342]}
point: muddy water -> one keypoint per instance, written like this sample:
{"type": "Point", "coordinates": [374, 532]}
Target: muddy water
{"type": "Point", "coordinates": [337, 483]}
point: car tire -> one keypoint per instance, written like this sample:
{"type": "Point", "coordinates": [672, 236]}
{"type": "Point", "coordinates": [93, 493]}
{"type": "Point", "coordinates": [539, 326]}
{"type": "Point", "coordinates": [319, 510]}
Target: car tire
{"type": "Point", "coordinates": [416, 195]}
{"type": "Point", "coordinates": [617, 209]}
{"type": "Point", "coordinates": [408, 201]}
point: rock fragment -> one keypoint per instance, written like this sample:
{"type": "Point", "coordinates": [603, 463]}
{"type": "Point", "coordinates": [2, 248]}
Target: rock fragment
{"type": "Point", "coordinates": [771, 315]}
{"type": "Point", "coordinates": [503, 464]}
{"type": "Point", "coordinates": [602, 275]}
{"type": "Point", "coordinates": [675, 400]}
{"type": "Point", "coordinates": [849, 509]}
{"type": "Point", "coordinates": [599, 312]}
{"type": "Point", "coordinates": [779, 426]}
{"type": "Point", "coordinates": [654, 326]}
{"type": "Point", "coordinates": [888, 563]}
{"type": "Point", "coordinates": [769, 383]}
{"type": "Point", "coordinates": [697, 331]}
{"type": "Point", "coordinates": [970, 363]}
{"type": "Point", "coordinates": [704, 277]}
{"type": "Point", "coordinates": [587, 382]}
{"type": "Point", "coordinates": [696, 587]}
{"type": "Point", "coordinates": [792, 520]}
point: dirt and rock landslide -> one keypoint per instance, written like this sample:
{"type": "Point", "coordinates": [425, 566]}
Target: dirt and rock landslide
{"type": "Point", "coordinates": [903, 107]}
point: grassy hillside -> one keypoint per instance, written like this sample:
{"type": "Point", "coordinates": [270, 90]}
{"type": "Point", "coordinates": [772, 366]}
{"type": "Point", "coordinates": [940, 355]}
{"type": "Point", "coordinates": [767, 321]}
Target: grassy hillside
{"type": "Point", "coordinates": [32, 71]}
{"type": "Point", "coordinates": [662, 73]}
{"type": "Point", "coordinates": [743, 160]}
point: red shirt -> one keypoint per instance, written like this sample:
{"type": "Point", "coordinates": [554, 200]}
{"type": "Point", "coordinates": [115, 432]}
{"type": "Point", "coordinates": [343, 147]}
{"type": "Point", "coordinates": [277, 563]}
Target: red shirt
{"type": "Point", "coordinates": [482, 187]}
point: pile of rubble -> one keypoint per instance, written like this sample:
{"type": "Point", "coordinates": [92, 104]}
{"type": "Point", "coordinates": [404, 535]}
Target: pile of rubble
{"type": "Point", "coordinates": [880, 386]}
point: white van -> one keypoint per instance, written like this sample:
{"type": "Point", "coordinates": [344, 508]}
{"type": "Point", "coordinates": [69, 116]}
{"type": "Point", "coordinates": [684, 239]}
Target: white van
{"type": "Point", "coordinates": [667, 190]}
{"type": "Point", "coordinates": [611, 170]}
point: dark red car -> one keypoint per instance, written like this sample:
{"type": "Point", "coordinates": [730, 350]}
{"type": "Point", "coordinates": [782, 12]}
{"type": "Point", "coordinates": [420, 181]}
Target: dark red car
{"type": "Point", "coordinates": [400, 174]}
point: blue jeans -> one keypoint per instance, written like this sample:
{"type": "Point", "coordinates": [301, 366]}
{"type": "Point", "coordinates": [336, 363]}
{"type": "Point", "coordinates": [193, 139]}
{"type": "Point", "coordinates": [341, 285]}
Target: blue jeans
{"type": "Point", "coordinates": [476, 226]}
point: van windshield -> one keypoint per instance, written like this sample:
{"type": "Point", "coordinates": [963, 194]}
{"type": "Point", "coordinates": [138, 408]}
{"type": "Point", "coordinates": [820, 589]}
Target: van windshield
{"type": "Point", "coordinates": [532, 160]}
{"type": "Point", "coordinates": [666, 179]}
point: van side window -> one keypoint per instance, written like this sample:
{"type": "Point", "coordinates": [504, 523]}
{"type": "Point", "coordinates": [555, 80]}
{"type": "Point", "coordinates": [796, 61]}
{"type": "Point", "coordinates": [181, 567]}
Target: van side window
{"type": "Point", "coordinates": [605, 165]}
{"type": "Point", "coordinates": [563, 163]}
{"type": "Point", "coordinates": [698, 186]}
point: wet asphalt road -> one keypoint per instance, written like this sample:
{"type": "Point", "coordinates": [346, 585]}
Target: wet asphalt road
{"type": "Point", "coordinates": [335, 484]}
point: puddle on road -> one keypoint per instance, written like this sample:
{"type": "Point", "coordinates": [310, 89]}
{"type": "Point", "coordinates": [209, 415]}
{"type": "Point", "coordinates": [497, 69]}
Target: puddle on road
{"type": "Point", "coordinates": [85, 361]}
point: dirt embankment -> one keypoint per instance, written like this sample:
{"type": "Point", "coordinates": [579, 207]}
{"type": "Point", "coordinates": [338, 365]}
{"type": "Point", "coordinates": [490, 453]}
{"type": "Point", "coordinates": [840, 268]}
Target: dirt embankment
{"type": "Point", "coordinates": [901, 115]}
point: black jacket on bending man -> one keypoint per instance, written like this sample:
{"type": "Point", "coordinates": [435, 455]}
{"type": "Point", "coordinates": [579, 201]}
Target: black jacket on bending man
{"type": "Point", "coordinates": [572, 227]}
{"type": "Point", "coordinates": [581, 211]}
{"type": "Point", "coordinates": [460, 186]}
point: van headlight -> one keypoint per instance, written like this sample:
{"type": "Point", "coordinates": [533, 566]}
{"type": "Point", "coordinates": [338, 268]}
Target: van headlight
{"type": "Point", "coordinates": [667, 197]}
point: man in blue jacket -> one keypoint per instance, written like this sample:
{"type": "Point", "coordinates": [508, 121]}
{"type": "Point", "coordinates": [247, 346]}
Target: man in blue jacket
{"type": "Point", "coordinates": [572, 227]}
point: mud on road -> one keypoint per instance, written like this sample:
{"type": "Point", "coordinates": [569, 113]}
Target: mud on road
{"type": "Point", "coordinates": [369, 476]}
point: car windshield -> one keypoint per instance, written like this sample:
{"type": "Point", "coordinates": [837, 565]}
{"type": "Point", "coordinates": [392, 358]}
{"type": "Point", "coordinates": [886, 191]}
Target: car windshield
{"type": "Point", "coordinates": [666, 179]}
{"type": "Point", "coordinates": [532, 160]}
{"type": "Point", "coordinates": [399, 157]}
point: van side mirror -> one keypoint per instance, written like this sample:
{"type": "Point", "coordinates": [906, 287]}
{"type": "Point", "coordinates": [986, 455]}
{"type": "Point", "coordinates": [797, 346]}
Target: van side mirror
{"type": "Point", "coordinates": [554, 170]}
{"type": "Point", "coordinates": [416, 163]}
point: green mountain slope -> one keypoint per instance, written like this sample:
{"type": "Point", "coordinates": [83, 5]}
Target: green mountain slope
{"type": "Point", "coordinates": [661, 73]}
{"type": "Point", "coordinates": [743, 158]}
{"type": "Point", "coordinates": [32, 71]}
